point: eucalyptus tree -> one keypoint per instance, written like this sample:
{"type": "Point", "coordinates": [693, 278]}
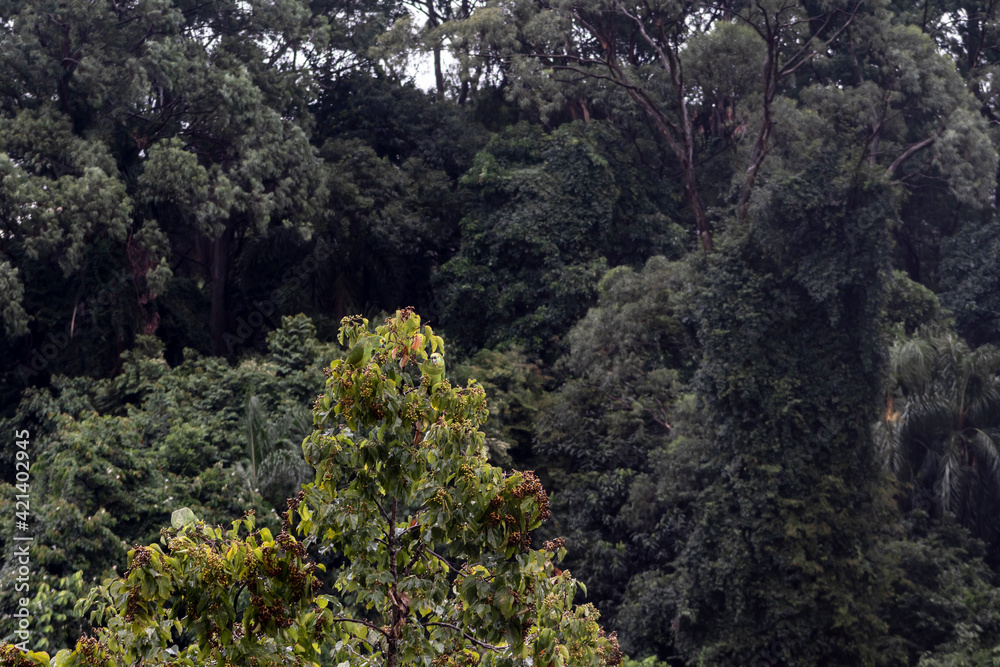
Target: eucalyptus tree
{"type": "Point", "coordinates": [969, 31]}
{"type": "Point", "coordinates": [640, 49]}
{"type": "Point", "coordinates": [710, 76]}
{"type": "Point", "coordinates": [930, 217]}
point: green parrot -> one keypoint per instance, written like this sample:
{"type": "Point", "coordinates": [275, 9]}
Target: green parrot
{"type": "Point", "coordinates": [433, 370]}
{"type": "Point", "coordinates": [182, 517]}
{"type": "Point", "coordinates": [360, 354]}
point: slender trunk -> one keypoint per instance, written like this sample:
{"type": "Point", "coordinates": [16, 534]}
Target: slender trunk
{"type": "Point", "coordinates": [678, 134]}
{"type": "Point", "coordinates": [432, 22]}
{"type": "Point", "coordinates": [392, 654]}
{"type": "Point", "coordinates": [220, 275]}
{"type": "Point", "coordinates": [760, 146]}
{"type": "Point", "coordinates": [438, 73]}
{"type": "Point", "coordinates": [673, 63]}
{"type": "Point", "coordinates": [694, 201]}
{"type": "Point", "coordinates": [463, 91]}
{"type": "Point", "coordinates": [680, 139]}
{"type": "Point", "coordinates": [395, 630]}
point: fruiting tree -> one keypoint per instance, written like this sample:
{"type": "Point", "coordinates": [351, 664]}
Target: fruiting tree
{"type": "Point", "coordinates": [427, 545]}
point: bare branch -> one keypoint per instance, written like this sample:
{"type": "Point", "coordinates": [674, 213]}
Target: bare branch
{"type": "Point", "coordinates": [907, 154]}
{"type": "Point", "coordinates": [649, 40]}
{"type": "Point", "coordinates": [788, 69]}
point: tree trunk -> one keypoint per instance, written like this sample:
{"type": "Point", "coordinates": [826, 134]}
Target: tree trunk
{"type": "Point", "coordinates": [433, 22]}
{"type": "Point", "coordinates": [219, 319]}
{"type": "Point", "coordinates": [438, 73]}
{"type": "Point", "coordinates": [395, 630]}
{"type": "Point", "coordinates": [694, 201]}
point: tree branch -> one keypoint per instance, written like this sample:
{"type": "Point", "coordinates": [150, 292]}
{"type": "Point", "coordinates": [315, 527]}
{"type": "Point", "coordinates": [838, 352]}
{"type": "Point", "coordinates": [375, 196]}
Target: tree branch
{"type": "Point", "coordinates": [907, 154]}
{"type": "Point", "coordinates": [343, 619]}
{"type": "Point", "coordinates": [442, 559]}
{"type": "Point", "coordinates": [466, 635]}
{"type": "Point", "coordinates": [416, 555]}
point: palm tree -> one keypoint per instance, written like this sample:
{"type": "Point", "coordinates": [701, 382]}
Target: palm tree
{"type": "Point", "coordinates": [940, 435]}
{"type": "Point", "coordinates": [275, 467]}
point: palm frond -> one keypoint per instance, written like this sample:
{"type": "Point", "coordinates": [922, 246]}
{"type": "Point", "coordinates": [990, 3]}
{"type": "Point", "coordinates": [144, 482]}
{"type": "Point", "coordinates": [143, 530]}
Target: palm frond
{"type": "Point", "coordinates": [911, 363]}
{"type": "Point", "coordinates": [950, 367]}
{"type": "Point", "coordinates": [927, 418]}
{"type": "Point", "coordinates": [948, 488]}
{"type": "Point", "coordinates": [256, 426]}
{"type": "Point", "coordinates": [282, 473]}
{"type": "Point", "coordinates": [275, 462]}
{"type": "Point", "coordinates": [986, 445]}
{"type": "Point", "coordinates": [983, 406]}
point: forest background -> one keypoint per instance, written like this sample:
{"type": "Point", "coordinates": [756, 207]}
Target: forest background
{"type": "Point", "coordinates": [728, 272]}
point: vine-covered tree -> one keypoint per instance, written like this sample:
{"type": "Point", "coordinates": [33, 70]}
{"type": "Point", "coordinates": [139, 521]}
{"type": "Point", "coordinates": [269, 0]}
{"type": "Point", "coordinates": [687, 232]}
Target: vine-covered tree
{"type": "Point", "coordinates": [849, 111]}
{"type": "Point", "coordinates": [550, 211]}
{"type": "Point", "coordinates": [784, 563]}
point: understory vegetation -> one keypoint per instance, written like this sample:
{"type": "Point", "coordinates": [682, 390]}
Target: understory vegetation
{"type": "Point", "coordinates": [643, 333]}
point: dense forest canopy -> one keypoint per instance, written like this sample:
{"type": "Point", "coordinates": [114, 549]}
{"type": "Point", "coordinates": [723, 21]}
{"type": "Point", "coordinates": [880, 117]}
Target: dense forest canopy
{"type": "Point", "coordinates": [723, 274]}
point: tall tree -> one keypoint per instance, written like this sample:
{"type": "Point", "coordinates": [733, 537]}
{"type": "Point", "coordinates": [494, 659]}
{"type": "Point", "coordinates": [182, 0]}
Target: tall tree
{"type": "Point", "coordinates": [709, 76]}
{"type": "Point", "coordinates": [849, 106]}
{"type": "Point", "coordinates": [930, 217]}
{"type": "Point", "coordinates": [613, 439]}
{"type": "Point", "coordinates": [638, 48]}
{"type": "Point", "coordinates": [550, 210]}
{"type": "Point", "coordinates": [783, 566]}
{"type": "Point", "coordinates": [172, 136]}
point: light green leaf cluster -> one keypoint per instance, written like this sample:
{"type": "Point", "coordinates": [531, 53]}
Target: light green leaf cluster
{"type": "Point", "coordinates": [236, 597]}
{"type": "Point", "coordinates": [61, 190]}
{"type": "Point", "coordinates": [173, 175]}
{"type": "Point", "coordinates": [724, 64]}
{"type": "Point", "coordinates": [434, 540]}
{"type": "Point", "coordinates": [244, 595]}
